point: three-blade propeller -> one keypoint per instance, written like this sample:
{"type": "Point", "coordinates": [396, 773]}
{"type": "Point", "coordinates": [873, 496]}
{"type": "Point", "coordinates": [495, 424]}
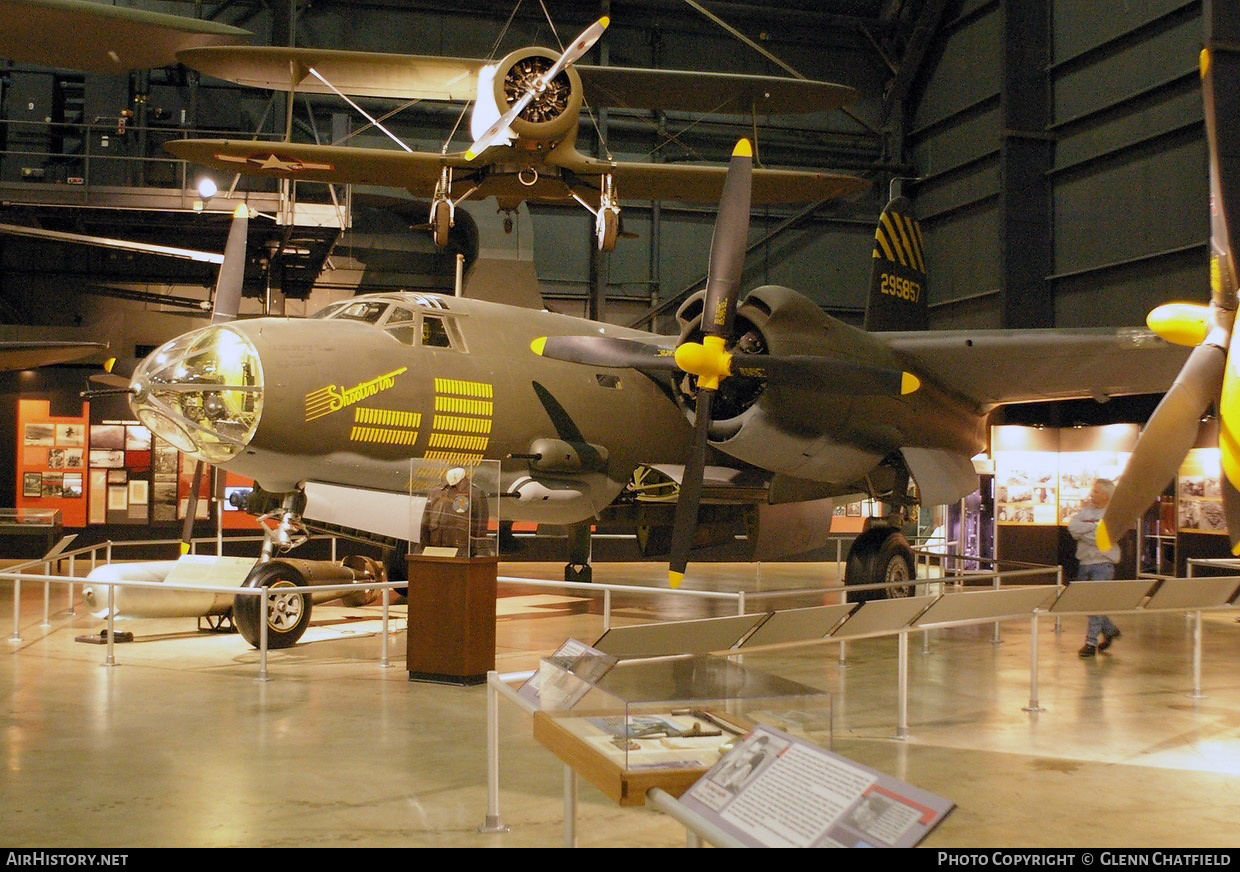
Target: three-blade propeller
{"type": "Point", "coordinates": [580, 46]}
{"type": "Point", "coordinates": [1209, 375]}
{"type": "Point", "coordinates": [711, 361]}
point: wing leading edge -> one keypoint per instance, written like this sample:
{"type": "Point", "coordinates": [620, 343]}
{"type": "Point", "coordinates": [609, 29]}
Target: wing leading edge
{"type": "Point", "coordinates": [418, 172]}
{"type": "Point", "coordinates": [996, 367]}
{"type": "Point", "coordinates": [428, 77]}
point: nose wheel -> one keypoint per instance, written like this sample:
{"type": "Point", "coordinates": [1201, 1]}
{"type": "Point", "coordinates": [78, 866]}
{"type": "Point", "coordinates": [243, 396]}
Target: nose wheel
{"type": "Point", "coordinates": [287, 611]}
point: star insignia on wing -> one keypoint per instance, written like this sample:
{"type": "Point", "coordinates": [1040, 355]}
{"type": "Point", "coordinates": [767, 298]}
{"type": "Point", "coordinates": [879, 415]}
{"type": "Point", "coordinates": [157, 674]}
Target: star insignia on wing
{"type": "Point", "coordinates": [275, 163]}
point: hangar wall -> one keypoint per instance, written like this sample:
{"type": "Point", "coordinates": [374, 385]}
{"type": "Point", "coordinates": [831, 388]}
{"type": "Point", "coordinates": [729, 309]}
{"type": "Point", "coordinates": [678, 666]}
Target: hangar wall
{"type": "Point", "coordinates": [1127, 206]}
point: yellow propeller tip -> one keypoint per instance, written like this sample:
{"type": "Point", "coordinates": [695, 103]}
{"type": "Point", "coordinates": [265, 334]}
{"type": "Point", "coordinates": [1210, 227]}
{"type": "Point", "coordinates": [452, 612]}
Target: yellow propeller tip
{"type": "Point", "coordinates": [1204, 60]}
{"type": "Point", "coordinates": [109, 364]}
{"type": "Point", "coordinates": [184, 548]}
{"type": "Point", "coordinates": [538, 345]}
{"type": "Point", "coordinates": [1102, 536]}
{"type": "Point", "coordinates": [674, 579]}
{"type": "Point", "coordinates": [470, 154]}
{"type": "Point", "coordinates": [909, 383]}
{"type": "Point", "coordinates": [242, 211]}
{"type": "Point", "coordinates": [743, 149]}
{"type": "Point", "coordinates": [604, 21]}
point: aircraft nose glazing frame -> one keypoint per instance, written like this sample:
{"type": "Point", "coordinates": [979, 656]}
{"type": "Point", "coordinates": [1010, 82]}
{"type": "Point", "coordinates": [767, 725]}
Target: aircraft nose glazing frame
{"type": "Point", "coordinates": [202, 392]}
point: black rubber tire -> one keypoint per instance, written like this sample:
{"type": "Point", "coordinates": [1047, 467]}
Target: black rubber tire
{"type": "Point", "coordinates": [880, 554]}
{"type": "Point", "coordinates": [441, 222]}
{"type": "Point", "coordinates": [288, 614]}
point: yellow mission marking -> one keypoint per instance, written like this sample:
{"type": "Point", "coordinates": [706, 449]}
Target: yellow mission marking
{"type": "Point", "coordinates": [383, 436]}
{"type": "Point", "coordinates": [459, 442]}
{"type": "Point", "coordinates": [463, 388]}
{"type": "Point", "coordinates": [461, 406]}
{"type": "Point", "coordinates": [461, 425]}
{"type": "Point", "coordinates": [387, 417]}
{"type": "Point", "coordinates": [455, 457]}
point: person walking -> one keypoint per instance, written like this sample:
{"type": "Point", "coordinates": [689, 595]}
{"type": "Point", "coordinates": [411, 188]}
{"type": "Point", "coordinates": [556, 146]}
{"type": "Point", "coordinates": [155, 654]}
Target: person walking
{"type": "Point", "coordinates": [1095, 565]}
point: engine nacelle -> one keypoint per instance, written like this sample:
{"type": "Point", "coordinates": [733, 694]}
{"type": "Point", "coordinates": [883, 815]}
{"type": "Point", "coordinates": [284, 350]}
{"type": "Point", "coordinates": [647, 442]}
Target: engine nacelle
{"type": "Point", "coordinates": [788, 429]}
{"type": "Point", "coordinates": [552, 115]}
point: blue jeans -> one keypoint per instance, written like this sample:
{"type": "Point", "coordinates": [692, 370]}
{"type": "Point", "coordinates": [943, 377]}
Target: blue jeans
{"type": "Point", "coordinates": [1097, 623]}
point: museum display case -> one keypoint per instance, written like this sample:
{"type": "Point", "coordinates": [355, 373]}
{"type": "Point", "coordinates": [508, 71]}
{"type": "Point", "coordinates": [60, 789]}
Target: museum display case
{"type": "Point", "coordinates": [452, 569]}
{"type": "Point", "coordinates": [632, 725]}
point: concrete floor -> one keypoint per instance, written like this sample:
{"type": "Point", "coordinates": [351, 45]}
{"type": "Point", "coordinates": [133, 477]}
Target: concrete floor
{"type": "Point", "coordinates": [180, 745]}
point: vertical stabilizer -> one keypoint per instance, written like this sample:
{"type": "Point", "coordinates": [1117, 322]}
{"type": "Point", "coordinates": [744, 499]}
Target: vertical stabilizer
{"type": "Point", "coordinates": [898, 279]}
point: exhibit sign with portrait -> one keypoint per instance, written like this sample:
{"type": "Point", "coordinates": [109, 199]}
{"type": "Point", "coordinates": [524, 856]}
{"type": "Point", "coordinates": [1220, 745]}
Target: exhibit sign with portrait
{"type": "Point", "coordinates": [1199, 493]}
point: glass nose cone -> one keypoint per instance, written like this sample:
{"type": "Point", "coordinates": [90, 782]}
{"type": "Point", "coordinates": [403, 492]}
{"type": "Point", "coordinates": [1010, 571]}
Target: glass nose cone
{"type": "Point", "coordinates": [203, 392]}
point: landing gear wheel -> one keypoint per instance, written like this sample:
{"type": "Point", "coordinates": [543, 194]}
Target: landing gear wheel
{"type": "Point", "coordinates": [288, 613]}
{"type": "Point", "coordinates": [607, 228]}
{"type": "Point", "coordinates": [880, 555]}
{"type": "Point", "coordinates": [441, 222]}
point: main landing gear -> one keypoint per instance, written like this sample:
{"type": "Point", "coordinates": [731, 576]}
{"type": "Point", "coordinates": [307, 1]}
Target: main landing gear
{"type": "Point", "coordinates": [880, 555]}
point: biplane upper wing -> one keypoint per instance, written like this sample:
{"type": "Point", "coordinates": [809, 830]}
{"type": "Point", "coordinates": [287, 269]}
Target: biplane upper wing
{"type": "Point", "coordinates": [414, 77]}
{"type": "Point", "coordinates": [716, 93]}
{"type": "Point", "coordinates": [118, 39]}
{"type": "Point", "coordinates": [358, 73]}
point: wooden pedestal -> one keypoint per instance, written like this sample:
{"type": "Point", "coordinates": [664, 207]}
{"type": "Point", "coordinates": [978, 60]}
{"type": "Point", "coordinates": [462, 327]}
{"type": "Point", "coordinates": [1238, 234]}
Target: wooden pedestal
{"type": "Point", "coordinates": [451, 636]}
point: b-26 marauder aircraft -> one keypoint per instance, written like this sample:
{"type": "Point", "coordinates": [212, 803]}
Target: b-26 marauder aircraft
{"type": "Point", "coordinates": [803, 403]}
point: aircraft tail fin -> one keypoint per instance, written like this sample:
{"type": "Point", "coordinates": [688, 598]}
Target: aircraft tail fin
{"type": "Point", "coordinates": [897, 298]}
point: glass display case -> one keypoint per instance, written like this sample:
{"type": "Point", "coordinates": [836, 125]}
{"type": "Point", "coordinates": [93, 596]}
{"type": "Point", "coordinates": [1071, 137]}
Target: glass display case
{"type": "Point", "coordinates": [43, 526]}
{"type": "Point", "coordinates": [28, 520]}
{"type": "Point", "coordinates": [454, 506]}
{"type": "Point", "coordinates": [632, 725]}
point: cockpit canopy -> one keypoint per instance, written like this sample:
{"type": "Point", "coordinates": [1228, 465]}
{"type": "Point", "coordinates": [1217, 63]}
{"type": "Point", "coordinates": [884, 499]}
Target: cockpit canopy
{"type": "Point", "coordinates": [414, 319]}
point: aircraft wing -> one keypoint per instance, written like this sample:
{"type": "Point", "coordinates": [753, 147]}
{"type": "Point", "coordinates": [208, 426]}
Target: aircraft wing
{"type": "Point", "coordinates": [360, 73]}
{"type": "Point", "coordinates": [29, 354]}
{"type": "Point", "coordinates": [681, 90]}
{"type": "Point", "coordinates": [427, 77]}
{"type": "Point", "coordinates": [692, 183]}
{"type": "Point", "coordinates": [994, 367]}
{"type": "Point", "coordinates": [417, 171]}
{"type": "Point", "coordinates": [119, 38]}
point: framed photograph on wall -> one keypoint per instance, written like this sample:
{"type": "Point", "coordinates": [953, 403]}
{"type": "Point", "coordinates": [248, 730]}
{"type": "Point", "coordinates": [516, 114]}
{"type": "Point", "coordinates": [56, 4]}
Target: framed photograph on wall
{"type": "Point", "coordinates": [32, 484]}
{"type": "Point", "coordinates": [39, 433]}
{"type": "Point", "coordinates": [71, 435]}
{"type": "Point", "coordinates": [72, 485]}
